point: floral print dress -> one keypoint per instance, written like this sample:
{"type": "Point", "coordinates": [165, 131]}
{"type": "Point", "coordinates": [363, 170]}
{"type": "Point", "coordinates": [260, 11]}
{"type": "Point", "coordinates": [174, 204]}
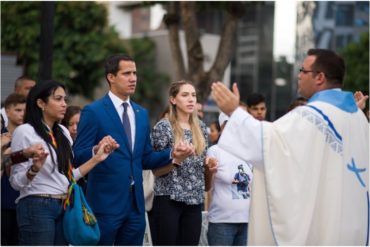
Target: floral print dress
{"type": "Point", "coordinates": [184, 183]}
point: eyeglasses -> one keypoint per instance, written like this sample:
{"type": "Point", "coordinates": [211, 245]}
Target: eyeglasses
{"type": "Point", "coordinates": [308, 71]}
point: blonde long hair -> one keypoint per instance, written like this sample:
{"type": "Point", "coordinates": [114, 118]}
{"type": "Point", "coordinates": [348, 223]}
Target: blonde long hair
{"type": "Point", "coordinates": [199, 141]}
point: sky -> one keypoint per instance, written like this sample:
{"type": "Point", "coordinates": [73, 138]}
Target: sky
{"type": "Point", "coordinates": [284, 27]}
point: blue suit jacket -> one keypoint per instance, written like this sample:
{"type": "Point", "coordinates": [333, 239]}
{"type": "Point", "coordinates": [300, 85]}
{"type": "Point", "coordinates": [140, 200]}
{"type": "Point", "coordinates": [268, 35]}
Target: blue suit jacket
{"type": "Point", "coordinates": [108, 185]}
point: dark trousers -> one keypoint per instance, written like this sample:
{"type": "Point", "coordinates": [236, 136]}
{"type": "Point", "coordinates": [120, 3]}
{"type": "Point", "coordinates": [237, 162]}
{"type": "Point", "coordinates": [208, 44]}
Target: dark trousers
{"type": "Point", "coordinates": [40, 221]}
{"type": "Point", "coordinates": [122, 230]}
{"type": "Point", "coordinates": [9, 227]}
{"type": "Point", "coordinates": [152, 225]}
{"type": "Point", "coordinates": [176, 223]}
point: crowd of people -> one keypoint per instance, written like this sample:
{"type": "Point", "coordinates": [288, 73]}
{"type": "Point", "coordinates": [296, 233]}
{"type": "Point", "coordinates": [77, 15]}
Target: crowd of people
{"type": "Point", "coordinates": [301, 180]}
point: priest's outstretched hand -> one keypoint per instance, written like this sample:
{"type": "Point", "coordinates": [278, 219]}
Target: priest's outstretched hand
{"type": "Point", "coordinates": [226, 100]}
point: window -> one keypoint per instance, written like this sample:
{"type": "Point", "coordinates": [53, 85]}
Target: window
{"type": "Point", "coordinates": [344, 15]}
{"type": "Point", "coordinates": [363, 6]}
{"type": "Point", "coordinates": [330, 10]}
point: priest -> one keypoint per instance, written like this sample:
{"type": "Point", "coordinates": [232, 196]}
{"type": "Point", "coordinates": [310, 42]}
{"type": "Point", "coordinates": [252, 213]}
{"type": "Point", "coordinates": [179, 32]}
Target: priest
{"type": "Point", "coordinates": [310, 166]}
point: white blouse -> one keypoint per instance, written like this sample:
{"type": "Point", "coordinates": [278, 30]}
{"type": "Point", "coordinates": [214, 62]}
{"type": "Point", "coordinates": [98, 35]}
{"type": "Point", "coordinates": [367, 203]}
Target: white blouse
{"type": "Point", "coordinates": [48, 180]}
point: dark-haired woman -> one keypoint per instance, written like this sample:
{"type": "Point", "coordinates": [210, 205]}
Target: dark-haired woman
{"type": "Point", "coordinates": [43, 183]}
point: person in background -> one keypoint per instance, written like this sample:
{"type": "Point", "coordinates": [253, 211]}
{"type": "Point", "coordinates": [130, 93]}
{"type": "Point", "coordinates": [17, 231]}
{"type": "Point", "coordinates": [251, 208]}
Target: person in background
{"type": "Point", "coordinates": [43, 181]}
{"type": "Point", "coordinates": [360, 99]}
{"type": "Point", "coordinates": [214, 133]}
{"type": "Point", "coordinates": [115, 188]}
{"type": "Point", "coordinates": [179, 187]}
{"type": "Point", "coordinates": [243, 105]}
{"type": "Point", "coordinates": [297, 102]}
{"type": "Point", "coordinates": [22, 86]}
{"type": "Point", "coordinates": [311, 166]}
{"type": "Point", "coordinates": [200, 111]}
{"type": "Point", "coordinates": [71, 120]}
{"type": "Point", "coordinates": [10, 158]}
{"type": "Point", "coordinates": [15, 105]}
{"type": "Point", "coordinates": [228, 212]}
{"type": "Point", "coordinates": [361, 102]}
{"type": "Point", "coordinates": [256, 106]}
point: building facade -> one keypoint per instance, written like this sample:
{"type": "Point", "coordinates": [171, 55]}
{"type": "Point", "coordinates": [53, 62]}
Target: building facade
{"type": "Point", "coordinates": [330, 25]}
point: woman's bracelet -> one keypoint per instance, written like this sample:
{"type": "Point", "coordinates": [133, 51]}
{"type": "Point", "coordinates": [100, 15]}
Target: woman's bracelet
{"type": "Point", "coordinates": [32, 172]}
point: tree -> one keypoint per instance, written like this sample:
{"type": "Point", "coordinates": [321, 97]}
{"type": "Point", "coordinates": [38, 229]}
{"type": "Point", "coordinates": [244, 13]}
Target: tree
{"type": "Point", "coordinates": [82, 41]}
{"type": "Point", "coordinates": [150, 83]}
{"type": "Point", "coordinates": [356, 57]}
{"type": "Point", "coordinates": [185, 14]}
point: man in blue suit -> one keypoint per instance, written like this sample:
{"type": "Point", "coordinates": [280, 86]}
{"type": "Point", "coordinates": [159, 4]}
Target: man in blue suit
{"type": "Point", "coordinates": [115, 187]}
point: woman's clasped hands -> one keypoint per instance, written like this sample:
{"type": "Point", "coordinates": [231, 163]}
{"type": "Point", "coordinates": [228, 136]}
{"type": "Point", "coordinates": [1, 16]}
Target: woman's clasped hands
{"type": "Point", "coordinates": [105, 147]}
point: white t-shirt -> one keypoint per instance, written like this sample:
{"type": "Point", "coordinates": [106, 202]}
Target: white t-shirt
{"type": "Point", "coordinates": [5, 117]}
{"type": "Point", "coordinates": [231, 188]}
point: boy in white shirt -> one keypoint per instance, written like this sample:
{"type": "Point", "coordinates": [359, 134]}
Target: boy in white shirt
{"type": "Point", "coordinates": [228, 212]}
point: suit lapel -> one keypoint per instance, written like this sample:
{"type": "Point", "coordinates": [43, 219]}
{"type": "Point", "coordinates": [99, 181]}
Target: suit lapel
{"type": "Point", "coordinates": [115, 119]}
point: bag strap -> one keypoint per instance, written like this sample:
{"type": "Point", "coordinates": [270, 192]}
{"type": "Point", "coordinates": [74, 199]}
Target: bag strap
{"type": "Point", "coordinates": [72, 182]}
{"type": "Point", "coordinates": [69, 200]}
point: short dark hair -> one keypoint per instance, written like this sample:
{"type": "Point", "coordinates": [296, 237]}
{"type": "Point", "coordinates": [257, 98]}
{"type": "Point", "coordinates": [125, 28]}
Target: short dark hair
{"type": "Point", "coordinates": [112, 64]}
{"type": "Point", "coordinates": [217, 125]}
{"type": "Point", "coordinates": [14, 99]}
{"type": "Point", "coordinates": [329, 63]}
{"type": "Point", "coordinates": [255, 99]}
{"type": "Point", "coordinates": [242, 103]}
{"type": "Point", "coordinates": [70, 112]}
{"type": "Point", "coordinates": [20, 80]}
{"type": "Point", "coordinates": [297, 102]}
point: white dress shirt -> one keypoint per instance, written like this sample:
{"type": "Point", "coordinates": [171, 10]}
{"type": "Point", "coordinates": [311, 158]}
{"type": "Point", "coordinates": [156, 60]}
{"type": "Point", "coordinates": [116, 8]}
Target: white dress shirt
{"type": "Point", "coordinates": [117, 102]}
{"type": "Point", "coordinates": [48, 180]}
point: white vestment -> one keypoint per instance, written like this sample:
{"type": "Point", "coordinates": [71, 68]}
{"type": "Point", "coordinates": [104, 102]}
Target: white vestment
{"type": "Point", "coordinates": [310, 172]}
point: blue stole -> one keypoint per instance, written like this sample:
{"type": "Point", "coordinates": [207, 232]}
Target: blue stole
{"type": "Point", "coordinates": [341, 99]}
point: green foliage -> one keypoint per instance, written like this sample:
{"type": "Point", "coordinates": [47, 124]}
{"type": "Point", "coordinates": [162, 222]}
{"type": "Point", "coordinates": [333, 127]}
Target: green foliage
{"type": "Point", "coordinates": [150, 83]}
{"type": "Point", "coordinates": [356, 57]}
{"type": "Point", "coordinates": [20, 30]}
{"type": "Point", "coordinates": [81, 41]}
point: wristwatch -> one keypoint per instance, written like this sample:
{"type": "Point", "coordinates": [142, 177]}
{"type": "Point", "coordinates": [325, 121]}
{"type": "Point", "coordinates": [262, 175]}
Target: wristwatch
{"type": "Point", "coordinates": [32, 172]}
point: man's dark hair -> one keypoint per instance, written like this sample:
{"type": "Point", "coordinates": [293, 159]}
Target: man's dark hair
{"type": "Point", "coordinates": [329, 63]}
{"type": "Point", "coordinates": [255, 99]}
{"type": "Point", "coordinates": [14, 99]}
{"type": "Point", "coordinates": [112, 64]}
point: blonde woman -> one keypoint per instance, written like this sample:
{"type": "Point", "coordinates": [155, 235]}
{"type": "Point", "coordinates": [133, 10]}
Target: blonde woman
{"type": "Point", "coordinates": [179, 187]}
